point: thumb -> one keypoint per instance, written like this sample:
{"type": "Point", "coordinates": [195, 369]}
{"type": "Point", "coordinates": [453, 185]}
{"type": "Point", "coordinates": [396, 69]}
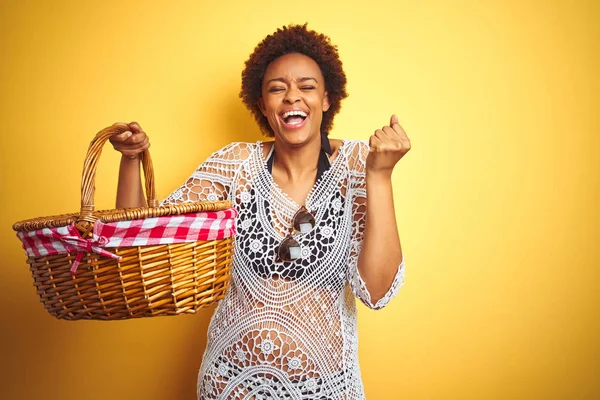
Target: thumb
{"type": "Point", "coordinates": [135, 127]}
{"type": "Point", "coordinates": [394, 120]}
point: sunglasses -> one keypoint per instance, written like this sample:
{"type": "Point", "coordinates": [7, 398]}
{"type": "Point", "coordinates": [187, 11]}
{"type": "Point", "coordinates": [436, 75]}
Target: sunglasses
{"type": "Point", "coordinates": [289, 249]}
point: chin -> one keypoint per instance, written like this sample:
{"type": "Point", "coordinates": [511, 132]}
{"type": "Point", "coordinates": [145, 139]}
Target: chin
{"type": "Point", "coordinates": [297, 137]}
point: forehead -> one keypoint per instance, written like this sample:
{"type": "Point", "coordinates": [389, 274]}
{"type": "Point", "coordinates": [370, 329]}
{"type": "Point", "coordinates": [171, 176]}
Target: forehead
{"type": "Point", "coordinates": [292, 66]}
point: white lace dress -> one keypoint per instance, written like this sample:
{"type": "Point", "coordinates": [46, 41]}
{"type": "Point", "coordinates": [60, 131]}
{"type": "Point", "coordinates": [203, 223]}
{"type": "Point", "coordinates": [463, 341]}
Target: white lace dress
{"type": "Point", "coordinates": [287, 330]}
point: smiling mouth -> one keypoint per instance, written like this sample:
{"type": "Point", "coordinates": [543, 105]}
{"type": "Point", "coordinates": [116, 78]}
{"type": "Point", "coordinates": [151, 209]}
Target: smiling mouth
{"type": "Point", "coordinates": [294, 118]}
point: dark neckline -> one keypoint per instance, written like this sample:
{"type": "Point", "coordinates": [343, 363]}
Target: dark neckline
{"type": "Point", "coordinates": [322, 165]}
{"type": "Point", "coordinates": [267, 186]}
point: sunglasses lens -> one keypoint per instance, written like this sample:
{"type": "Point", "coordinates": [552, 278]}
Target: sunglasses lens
{"type": "Point", "coordinates": [288, 250]}
{"type": "Point", "coordinates": [304, 221]}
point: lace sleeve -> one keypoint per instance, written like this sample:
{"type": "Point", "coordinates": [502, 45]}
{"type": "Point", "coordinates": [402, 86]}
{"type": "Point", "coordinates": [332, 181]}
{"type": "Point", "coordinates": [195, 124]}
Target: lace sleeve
{"type": "Point", "coordinates": [212, 180]}
{"type": "Point", "coordinates": [358, 192]}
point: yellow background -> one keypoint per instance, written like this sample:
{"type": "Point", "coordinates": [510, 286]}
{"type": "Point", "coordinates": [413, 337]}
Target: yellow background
{"type": "Point", "coordinates": [497, 202]}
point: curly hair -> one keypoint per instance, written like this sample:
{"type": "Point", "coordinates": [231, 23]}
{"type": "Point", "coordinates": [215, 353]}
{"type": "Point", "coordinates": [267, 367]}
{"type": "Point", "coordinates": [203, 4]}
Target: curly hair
{"type": "Point", "coordinates": [294, 39]}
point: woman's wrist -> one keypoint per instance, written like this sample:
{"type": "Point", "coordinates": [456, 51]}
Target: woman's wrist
{"type": "Point", "coordinates": [130, 158]}
{"type": "Point", "coordinates": [379, 177]}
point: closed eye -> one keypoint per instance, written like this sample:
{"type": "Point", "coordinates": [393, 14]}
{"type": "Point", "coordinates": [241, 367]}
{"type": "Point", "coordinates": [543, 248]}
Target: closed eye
{"type": "Point", "coordinates": [275, 90]}
{"type": "Point", "coordinates": [307, 87]}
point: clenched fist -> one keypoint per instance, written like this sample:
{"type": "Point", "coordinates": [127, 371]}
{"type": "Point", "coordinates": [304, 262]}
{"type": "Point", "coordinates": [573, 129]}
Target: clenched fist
{"type": "Point", "coordinates": [132, 142]}
{"type": "Point", "coordinates": [388, 145]}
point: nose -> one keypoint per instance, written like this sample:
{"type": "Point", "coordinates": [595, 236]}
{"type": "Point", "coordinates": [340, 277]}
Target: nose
{"type": "Point", "coordinates": [292, 95]}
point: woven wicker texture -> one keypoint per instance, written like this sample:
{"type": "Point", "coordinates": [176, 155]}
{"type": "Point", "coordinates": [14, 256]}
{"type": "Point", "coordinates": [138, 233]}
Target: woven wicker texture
{"type": "Point", "coordinates": [148, 280]}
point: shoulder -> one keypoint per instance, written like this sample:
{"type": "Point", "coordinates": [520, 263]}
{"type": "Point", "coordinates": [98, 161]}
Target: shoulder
{"type": "Point", "coordinates": [357, 147]}
{"type": "Point", "coordinates": [266, 148]}
{"type": "Point", "coordinates": [355, 152]}
{"type": "Point", "coordinates": [235, 152]}
{"type": "Point", "coordinates": [347, 147]}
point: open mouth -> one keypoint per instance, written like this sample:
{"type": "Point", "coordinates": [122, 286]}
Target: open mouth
{"type": "Point", "coordinates": [294, 118]}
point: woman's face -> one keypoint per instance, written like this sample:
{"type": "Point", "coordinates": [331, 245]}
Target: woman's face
{"type": "Point", "coordinates": [294, 98]}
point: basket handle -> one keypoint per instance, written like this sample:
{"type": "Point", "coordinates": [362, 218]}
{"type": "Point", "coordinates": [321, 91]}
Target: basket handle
{"type": "Point", "coordinates": [86, 219]}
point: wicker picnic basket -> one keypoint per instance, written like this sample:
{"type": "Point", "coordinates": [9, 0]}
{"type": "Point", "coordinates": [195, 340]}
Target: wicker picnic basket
{"type": "Point", "coordinates": [153, 280]}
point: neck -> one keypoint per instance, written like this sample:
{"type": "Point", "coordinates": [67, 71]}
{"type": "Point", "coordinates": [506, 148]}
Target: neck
{"type": "Point", "coordinates": [297, 163]}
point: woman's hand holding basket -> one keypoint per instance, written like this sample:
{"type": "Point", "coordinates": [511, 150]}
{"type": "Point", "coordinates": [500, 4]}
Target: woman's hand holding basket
{"type": "Point", "coordinates": [131, 142]}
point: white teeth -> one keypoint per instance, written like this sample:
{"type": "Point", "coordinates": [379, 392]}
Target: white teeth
{"type": "Point", "coordinates": [294, 112]}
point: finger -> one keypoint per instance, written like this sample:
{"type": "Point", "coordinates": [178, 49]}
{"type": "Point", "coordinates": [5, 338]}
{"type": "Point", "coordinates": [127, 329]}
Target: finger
{"type": "Point", "coordinates": [395, 123]}
{"type": "Point", "coordinates": [120, 137]}
{"type": "Point", "coordinates": [135, 127]}
{"type": "Point", "coordinates": [131, 148]}
{"type": "Point", "coordinates": [137, 138]}
{"type": "Point", "coordinates": [118, 127]}
{"type": "Point", "coordinates": [402, 136]}
{"type": "Point", "coordinates": [381, 135]}
{"type": "Point", "coordinates": [396, 126]}
{"type": "Point", "coordinates": [374, 143]}
{"type": "Point", "coordinates": [397, 141]}
{"type": "Point", "coordinates": [143, 144]}
{"type": "Point", "coordinates": [133, 152]}
{"type": "Point", "coordinates": [390, 132]}
{"type": "Point", "coordinates": [135, 146]}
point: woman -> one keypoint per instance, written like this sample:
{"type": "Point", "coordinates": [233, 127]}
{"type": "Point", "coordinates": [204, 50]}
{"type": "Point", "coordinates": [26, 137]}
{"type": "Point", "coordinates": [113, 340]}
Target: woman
{"type": "Point", "coordinates": [306, 241]}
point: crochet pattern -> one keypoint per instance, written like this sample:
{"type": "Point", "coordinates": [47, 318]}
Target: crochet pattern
{"type": "Point", "coordinates": [286, 330]}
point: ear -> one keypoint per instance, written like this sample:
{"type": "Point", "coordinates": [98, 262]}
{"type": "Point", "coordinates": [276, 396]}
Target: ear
{"type": "Point", "coordinates": [261, 106]}
{"type": "Point", "coordinates": [326, 103]}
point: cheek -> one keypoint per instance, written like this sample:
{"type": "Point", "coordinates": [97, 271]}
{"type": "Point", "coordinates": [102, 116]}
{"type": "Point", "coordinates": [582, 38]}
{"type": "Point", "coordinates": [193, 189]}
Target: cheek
{"type": "Point", "coordinates": [272, 115]}
{"type": "Point", "coordinates": [268, 110]}
{"type": "Point", "coordinates": [318, 107]}
{"type": "Point", "coordinates": [318, 103]}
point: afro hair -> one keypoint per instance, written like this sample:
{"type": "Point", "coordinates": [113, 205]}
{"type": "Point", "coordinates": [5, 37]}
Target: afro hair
{"type": "Point", "coordinates": [294, 39]}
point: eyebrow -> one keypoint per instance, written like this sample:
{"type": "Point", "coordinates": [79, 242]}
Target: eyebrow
{"type": "Point", "coordinates": [303, 79]}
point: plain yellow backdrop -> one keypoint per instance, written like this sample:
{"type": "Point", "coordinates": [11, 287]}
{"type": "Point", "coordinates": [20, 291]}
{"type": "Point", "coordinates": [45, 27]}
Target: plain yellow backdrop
{"type": "Point", "coordinates": [497, 202]}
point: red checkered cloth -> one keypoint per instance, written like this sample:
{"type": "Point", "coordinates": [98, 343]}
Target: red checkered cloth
{"type": "Point", "coordinates": [204, 226]}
